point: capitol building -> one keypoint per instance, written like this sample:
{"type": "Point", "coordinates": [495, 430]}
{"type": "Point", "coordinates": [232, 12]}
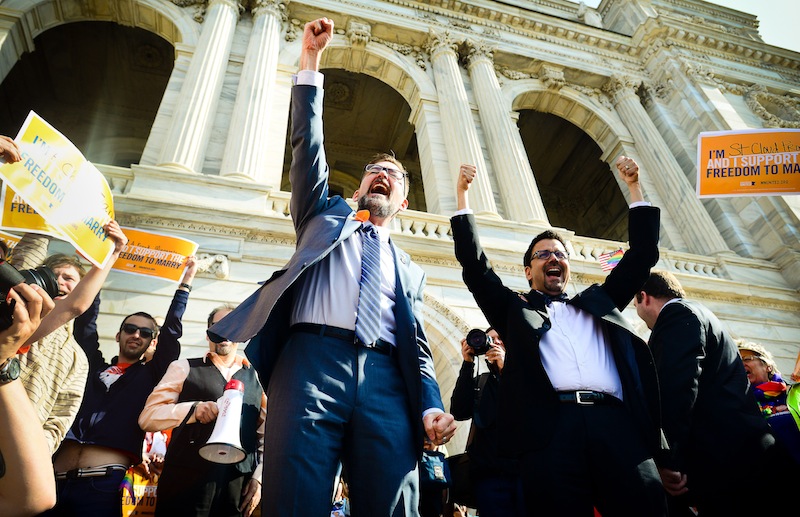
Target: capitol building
{"type": "Point", "coordinates": [183, 105]}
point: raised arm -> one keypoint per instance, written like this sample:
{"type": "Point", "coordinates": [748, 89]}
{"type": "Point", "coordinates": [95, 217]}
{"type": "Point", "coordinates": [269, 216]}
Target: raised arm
{"type": "Point", "coordinates": [630, 274]}
{"type": "Point", "coordinates": [466, 174]}
{"type": "Point", "coordinates": [308, 173]}
{"type": "Point", "coordinates": [168, 347]}
{"type": "Point", "coordinates": [316, 36]}
{"type": "Point", "coordinates": [629, 172]}
{"type": "Point", "coordinates": [81, 298]}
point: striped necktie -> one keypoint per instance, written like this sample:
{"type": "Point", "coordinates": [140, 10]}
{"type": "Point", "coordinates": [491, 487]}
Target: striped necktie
{"type": "Point", "coordinates": [368, 319]}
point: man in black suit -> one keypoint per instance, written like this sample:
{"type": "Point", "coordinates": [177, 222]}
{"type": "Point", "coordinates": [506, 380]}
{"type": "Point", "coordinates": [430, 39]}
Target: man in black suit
{"type": "Point", "coordinates": [720, 444]}
{"type": "Point", "coordinates": [578, 394]}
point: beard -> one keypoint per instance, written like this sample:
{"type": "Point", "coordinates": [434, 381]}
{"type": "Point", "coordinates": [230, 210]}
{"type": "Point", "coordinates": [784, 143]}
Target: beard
{"type": "Point", "coordinates": [378, 205]}
{"type": "Point", "coordinates": [223, 348]}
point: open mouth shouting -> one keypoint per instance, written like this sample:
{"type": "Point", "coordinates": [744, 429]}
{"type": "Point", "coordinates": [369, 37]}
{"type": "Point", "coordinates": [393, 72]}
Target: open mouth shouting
{"type": "Point", "coordinates": [555, 278]}
{"type": "Point", "coordinates": [380, 186]}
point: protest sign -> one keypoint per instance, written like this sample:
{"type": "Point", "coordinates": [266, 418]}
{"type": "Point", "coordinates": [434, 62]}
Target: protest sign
{"type": "Point", "coordinates": [70, 194]}
{"type": "Point", "coordinates": [10, 240]}
{"type": "Point", "coordinates": [757, 162]}
{"type": "Point", "coordinates": [154, 254]}
{"type": "Point", "coordinates": [19, 215]}
{"type": "Point", "coordinates": [138, 494]}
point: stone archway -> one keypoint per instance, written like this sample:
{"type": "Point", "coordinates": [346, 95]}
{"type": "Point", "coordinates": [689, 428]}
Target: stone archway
{"type": "Point", "coordinates": [444, 329]}
{"type": "Point", "coordinates": [99, 83]}
{"type": "Point", "coordinates": [26, 19]}
{"type": "Point", "coordinates": [568, 138]}
{"type": "Point", "coordinates": [369, 98]}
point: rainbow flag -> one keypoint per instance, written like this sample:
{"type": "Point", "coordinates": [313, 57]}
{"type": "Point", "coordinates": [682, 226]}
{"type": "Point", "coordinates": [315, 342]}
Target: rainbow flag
{"type": "Point", "coordinates": [609, 261]}
{"type": "Point", "coordinates": [127, 484]}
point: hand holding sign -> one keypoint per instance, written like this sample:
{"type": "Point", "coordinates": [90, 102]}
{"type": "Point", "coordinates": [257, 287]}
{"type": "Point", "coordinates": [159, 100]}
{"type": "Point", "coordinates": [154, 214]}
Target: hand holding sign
{"type": "Point", "coordinates": [9, 150]}
{"type": "Point", "coordinates": [116, 234]}
{"type": "Point", "coordinates": [52, 176]}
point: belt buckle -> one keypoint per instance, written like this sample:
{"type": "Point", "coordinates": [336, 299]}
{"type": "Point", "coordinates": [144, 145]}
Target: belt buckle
{"type": "Point", "coordinates": [582, 402]}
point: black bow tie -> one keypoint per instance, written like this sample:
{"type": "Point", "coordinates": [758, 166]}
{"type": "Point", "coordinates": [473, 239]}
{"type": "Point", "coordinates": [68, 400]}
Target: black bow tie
{"type": "Point", "coordinates": [548, 299]}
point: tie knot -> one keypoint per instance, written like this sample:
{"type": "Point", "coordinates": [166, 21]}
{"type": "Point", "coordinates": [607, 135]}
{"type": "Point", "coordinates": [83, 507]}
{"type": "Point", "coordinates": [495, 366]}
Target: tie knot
{"type": "Point", "coordinates": [561, 297]}
{"type": "Point", "coordinates": [368, 229]}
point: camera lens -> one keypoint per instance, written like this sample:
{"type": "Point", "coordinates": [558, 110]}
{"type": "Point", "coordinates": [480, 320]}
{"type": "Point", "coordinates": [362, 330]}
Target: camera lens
{"type": "Point", "coordinates": [479, 341]}
{"type": "Point", "coordinates": [42, 276]}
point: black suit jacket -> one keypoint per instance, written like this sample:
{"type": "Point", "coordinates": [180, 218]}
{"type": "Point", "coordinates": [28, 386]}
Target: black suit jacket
{"type": "Point", "coordinates": [710, 416]}
{"type": "Point", "coordinates": [528, 402]}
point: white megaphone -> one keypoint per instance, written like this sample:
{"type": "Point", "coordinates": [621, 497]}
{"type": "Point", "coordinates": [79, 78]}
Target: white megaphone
{"type": "Point", "coordinates": [224, 444]}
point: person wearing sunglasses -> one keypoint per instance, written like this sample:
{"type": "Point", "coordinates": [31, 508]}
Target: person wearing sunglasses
{"type": "Point", "coordinates": [186, 400]}
{"type": "Point", "coordinates": [579, 394]}
{"type": "Point", "coordinates": [105, 439]}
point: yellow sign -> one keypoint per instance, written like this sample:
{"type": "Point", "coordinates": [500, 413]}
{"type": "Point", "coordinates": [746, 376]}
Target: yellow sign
{"type": "Point", "coordinates": [10, 240]}
{"type": "Point", "coordinates": [154, 254]}
{"type": "Point", "coordinates": [140, 497]}
{"type": "Point", "coordinates": [757, 162]}
{"type": "Point", "coordinates": [70, 194]}
{"type": "Point", "coordinates": [19, 215]}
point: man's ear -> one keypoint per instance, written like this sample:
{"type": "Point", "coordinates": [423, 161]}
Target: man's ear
{"type": "Point", "coordinates": [116, 338]}
{"type": "Point", "coordinates": [355, 195]}
{"type": "Point", "coordinates": [528, 275]}
{"type": "Point", "coordinates": [403, 205]}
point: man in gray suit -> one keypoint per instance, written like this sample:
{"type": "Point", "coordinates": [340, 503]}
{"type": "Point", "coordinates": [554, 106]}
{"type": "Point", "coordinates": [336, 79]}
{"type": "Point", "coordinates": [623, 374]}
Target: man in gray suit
{"type": "Point", "coordinates": [332, 396]}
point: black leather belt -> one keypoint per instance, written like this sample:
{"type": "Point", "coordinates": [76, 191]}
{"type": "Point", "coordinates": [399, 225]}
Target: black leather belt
{"type": "Point", "coordinates": [380, 346]}
{"type": "Point", "coordinates": [91, 472]}
{"type": "Point", "coordinates": [588, 398]}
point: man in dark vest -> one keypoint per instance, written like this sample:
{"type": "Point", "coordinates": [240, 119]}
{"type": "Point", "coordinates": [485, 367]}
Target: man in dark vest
{"type": "Point", "coordinates": [186, 399]}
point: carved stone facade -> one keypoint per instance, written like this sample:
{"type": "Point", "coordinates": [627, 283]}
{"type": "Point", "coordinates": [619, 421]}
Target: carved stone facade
{"type": "Point", "coordinates": [444, 82]}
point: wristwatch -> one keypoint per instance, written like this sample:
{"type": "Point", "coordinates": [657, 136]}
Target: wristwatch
{"type": "Point", "coordinates": [9, 370]}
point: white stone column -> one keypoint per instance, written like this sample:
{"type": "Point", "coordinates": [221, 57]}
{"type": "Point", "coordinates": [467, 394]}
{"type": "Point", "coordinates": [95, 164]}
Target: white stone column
{"type": "Point", "coordinates": [518, 190]}
{"type": "Point", "coordinates": [14, 41]}
{"type": "Point", "coordinates": [245, 153]}
{"type": "Point", "coordinates": [460, 136]}
{"type": "Point", "coordinates": [661, 169]}
{"type": "Point", "coordinates": [187, 138]}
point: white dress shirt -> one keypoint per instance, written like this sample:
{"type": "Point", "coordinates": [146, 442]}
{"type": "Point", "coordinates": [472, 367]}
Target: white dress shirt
{"type": "Point", "coordinates": [327, 294]}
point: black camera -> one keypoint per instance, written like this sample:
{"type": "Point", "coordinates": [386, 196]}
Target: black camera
{"type": "Point", "coordinates": [9, 277]}
{"type": "Point", "coordinates": [479, 341]}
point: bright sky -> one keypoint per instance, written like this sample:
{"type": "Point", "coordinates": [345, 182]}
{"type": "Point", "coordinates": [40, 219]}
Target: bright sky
{"type": "Point", "coordinates": [777, 19]}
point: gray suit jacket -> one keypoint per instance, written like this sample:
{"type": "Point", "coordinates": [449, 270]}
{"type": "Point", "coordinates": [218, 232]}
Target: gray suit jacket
{"type": "Point", "coordinates": [321, 224]}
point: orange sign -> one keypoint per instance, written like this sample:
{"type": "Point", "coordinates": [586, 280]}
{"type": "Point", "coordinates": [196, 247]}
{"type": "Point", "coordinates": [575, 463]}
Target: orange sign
{"type": "Point", "coordinates": [757, 162]}
{"type": "Point", "coordinates": [154, 254]}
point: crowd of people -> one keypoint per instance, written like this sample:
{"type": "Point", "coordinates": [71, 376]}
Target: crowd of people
{"type": "Point", "coordinates": [575, 414]}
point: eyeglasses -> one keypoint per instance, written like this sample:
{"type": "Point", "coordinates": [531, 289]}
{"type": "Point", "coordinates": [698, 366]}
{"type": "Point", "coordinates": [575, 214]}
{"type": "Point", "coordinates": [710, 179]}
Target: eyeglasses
{"type": "Point", "coordinates": [396, 174]}
{"type": "Point", "coordinates": [145, 332]}
{"type": "Point", "coordinates": [750, 358]}
{"type": "Point", "coordinates": [546, 254]}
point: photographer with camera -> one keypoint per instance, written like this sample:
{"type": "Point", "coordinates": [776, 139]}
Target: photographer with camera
{"type": "Point", "coordinates": [497, 486]}
{"type": "Point", "coordinates": [27, 486]}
